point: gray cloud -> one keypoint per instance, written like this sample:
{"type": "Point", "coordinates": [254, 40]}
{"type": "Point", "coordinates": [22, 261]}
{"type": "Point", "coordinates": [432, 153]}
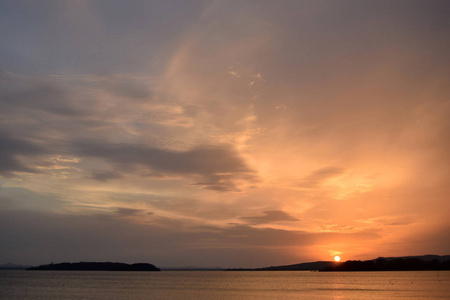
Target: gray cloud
{"type": "Point", "coordinates": [90, 36]}
{"type": "Point", "coordinates": [269, 217]}
{"type": "Point", "coordinates": [11, 149]}
{"type": "Point", "coordinates": [224, 182]}
{"type": "Point", "coordinates": [129, 88]}
{"type": "Point", "coordinates": [123, 211]}
{"type": "Point", "coordinates": [23, 92]}
{"type": "Point", "coordinates": [219, 165]}
{"type": "Point", "coordinates": [105, 175]}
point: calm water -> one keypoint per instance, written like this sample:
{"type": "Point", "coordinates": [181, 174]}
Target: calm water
{"type": "Point", "coordinates": [223, 285]}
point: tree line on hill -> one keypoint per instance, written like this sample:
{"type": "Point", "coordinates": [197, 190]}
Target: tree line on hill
{"type": "Point", "coordinates": [95, 266]}
{"type": "Point", "coordinates": [397, 264]}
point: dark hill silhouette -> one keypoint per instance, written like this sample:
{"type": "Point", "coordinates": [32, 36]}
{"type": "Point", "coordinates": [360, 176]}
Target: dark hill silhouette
{"type": "Point", "coordinates": [95, 266]}
{"type": "Point", "coordinates": [405, 263]}
{"type": "Point", "coordinates": [427, 257]}
{"type": "Point", "coordinates": [308, 266]}
{"type": "Point", "coordinates": [392, 264]}
{"type": "Point", "coordinates": [318, 265]}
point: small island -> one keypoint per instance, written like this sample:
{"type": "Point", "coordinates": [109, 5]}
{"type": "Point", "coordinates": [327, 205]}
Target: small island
{"type": "Point", "coordinates": [95, 266]}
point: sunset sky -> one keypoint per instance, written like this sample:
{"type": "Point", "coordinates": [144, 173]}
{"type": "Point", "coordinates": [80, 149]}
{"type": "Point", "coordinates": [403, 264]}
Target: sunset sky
{"type": "Point", "coordinates": [223, 133]}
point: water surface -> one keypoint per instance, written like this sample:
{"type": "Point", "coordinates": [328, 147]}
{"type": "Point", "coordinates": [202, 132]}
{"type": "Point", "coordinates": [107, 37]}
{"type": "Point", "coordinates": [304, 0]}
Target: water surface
{"type": "Point", "coordinates": [224, 285]}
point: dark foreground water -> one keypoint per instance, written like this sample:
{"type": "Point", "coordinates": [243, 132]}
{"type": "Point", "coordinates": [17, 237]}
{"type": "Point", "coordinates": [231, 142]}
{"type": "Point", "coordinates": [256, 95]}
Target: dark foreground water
{"type": "Point", "coordinates": [223, 285]}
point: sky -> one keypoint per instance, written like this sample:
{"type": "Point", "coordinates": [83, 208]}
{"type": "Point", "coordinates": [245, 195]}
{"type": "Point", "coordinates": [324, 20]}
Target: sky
{"type": "Point", "coordinates": [223, 133]}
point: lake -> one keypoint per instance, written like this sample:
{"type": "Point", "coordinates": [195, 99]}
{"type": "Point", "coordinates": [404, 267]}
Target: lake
{"type": "Point", "coordinates": [224, 285]}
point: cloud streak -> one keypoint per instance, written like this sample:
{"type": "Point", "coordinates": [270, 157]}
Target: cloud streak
{"type": "Point", "coordinates": [269, 217]}
{"type": "Point", "coordinates": [12, 149]}
{"type": "Point", "coordinates": [217, 165]}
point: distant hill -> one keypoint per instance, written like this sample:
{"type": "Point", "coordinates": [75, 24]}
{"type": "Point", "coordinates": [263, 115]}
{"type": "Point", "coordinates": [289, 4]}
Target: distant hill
{"type": "Point", "coordinates": [423, 262]}
{"type": "Point", "coordinates": [318, 265]}
{"type": "Point", "coordinates": [308, 266]}
{"type": "Point", "coordinates": [427, 257]}
{"type": "Point", "coordinates": [95, 266]}
{"type": "Point", "coordinates": [406, 263]}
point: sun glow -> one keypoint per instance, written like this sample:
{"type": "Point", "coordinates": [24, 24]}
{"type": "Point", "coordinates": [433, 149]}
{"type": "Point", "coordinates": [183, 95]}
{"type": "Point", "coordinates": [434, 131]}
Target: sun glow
{"type": "Point", "coordinates": [337, 258]}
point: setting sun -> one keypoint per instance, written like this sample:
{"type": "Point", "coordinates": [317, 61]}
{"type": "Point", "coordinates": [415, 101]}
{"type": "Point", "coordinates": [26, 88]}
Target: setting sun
{"type": "Point", "coordinates": [337, 258]}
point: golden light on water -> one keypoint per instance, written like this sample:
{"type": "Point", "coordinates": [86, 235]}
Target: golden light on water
{"type": "Point", "coordinates": [337, 258]}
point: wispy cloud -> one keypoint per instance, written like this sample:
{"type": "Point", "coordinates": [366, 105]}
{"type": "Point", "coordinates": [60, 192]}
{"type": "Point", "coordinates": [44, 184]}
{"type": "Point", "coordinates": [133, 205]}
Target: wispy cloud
{"type": "Point", "coordinates": [320, 176]}
{"type": "Point", "coordinates": [269, 217]}
{"type": "Point", "coordinates": [12, 148]}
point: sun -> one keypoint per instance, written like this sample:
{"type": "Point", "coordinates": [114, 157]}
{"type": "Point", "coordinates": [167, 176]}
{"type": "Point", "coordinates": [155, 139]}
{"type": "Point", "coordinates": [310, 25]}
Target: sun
{"type": "Point", "coordinates": [337, 258]}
